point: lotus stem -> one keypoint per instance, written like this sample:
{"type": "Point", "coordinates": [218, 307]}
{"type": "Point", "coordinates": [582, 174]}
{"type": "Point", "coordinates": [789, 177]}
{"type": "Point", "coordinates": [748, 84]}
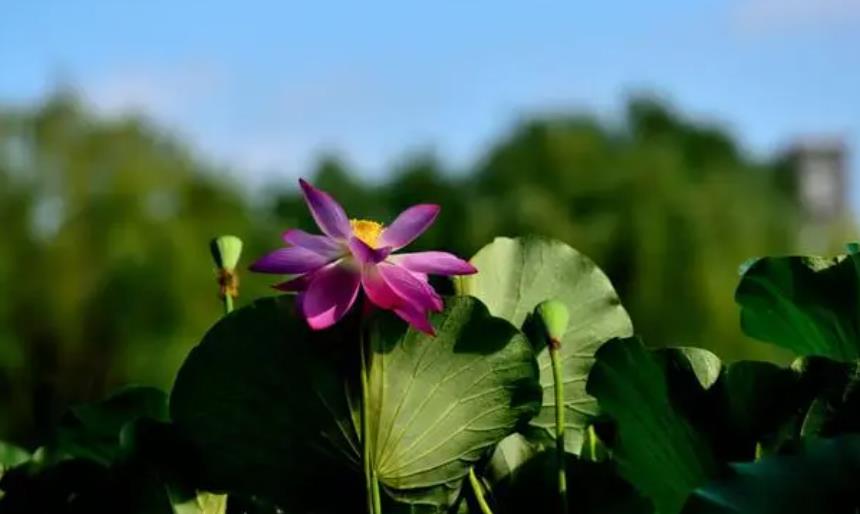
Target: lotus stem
{"type": "Point", "coordinates": [555, 317]}
{"type": "Point", "coordinates": [592, 443]}
{"type": "Point", "coordinates": [479, 492]}
{"type": "Point", "coordinates": [374, 501]}
{"type": "Point", "coordinates": [558, 386]}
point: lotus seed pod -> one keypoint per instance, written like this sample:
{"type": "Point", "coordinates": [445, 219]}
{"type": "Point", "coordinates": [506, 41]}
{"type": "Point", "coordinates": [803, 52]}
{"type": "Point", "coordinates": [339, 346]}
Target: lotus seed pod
{"type": "Point", "coordinates": [555, 317]}
{"type": "Point", "coordinates": [853, 247]}
{"type": "Point", "coordinates": [226, 251]}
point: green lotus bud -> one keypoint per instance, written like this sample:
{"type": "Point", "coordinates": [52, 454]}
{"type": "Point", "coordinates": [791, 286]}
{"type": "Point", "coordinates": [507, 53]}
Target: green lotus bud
{"type": "Point", "coordinates": [226, 251]}
{"type": "Point", "coordinates": [853, 247]}
{"type": "Point", "coordinates": [555, 317]}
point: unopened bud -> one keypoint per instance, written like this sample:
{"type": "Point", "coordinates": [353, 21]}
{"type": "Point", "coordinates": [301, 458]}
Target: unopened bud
{"type": "Point", "coordinates": [226, 251]}
{"type": "Point", "coordinates": [555, 317]}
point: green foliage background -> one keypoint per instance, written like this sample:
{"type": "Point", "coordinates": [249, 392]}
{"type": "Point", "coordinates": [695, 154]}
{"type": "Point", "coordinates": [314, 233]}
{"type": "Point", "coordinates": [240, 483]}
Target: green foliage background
{"type": "Point", "coordinates": [105, 277]}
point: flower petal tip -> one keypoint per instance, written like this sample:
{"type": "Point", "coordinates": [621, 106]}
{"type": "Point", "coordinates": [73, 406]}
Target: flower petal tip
{"type": "Point", "coordinates": [289, 260]}
{"type": "Point", "coordinates": [410, 224]}
{"type": "Point", "coordinates": [328, 214]}
{"type": "Point", "coordinates": [318, 325]}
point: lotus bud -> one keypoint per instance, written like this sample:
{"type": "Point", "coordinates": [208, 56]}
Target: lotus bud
{"type": "Point", "coordinates": [226, 251]}
{"type": "Point", "coordinates": [853, 247]}
{"type": "Point", "coordinates": [555, 317]}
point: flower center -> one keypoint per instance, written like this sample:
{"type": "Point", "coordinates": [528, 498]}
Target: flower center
{"type": "Point", "coordinates": [366, 230]}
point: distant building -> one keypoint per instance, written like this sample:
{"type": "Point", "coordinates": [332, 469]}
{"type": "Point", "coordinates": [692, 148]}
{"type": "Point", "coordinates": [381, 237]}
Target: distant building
{"type": "Point", "coordinates": [820, 178]}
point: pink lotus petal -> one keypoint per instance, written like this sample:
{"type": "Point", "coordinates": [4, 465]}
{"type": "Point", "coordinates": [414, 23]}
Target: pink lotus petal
{"type": "Point", "coordinates": [365, 254]}
{"type": "Point", "coordinates": [410, 224]}
{"type": "Point", "coordinates": [328, 214]}
{"type": "Point", "coordinates": [420, 276]}
{"type": "Point", "coordinates": [377, 290]}
{"type": "Point", "coordinates": [381, 295]}
{"type": "Point", "coordinates": [413, 291]}
{"type": "Point", "coordinates": [438, 305]}
{"type": "Point", "coordinates": [297, 284]}
{"type": "Point", "coordinates": [331, 293]}
{"type": "Point", "coordinates": [293, 259]}
{"type": "Point", "coordinates": [435, 263]}
{"type": "Point", "coordinates": [416, 318]}
{"type": "Point", "coordinates": [322, 245]}
{"type": "Point", "coordinates": [424, 279]}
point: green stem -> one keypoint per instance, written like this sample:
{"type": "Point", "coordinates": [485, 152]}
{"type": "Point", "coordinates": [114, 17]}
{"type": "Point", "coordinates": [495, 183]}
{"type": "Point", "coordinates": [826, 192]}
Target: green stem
{"type": "Point", "coordinates": [558, 385]}
{"type": "Point", "coordinates": [228, 303]}
{"type": "Point", "coordinates": [374, 503]}
{"type": "Point", "coordinates": [479, 492]}
{"type": "Point", "coordinates": [592, 442]}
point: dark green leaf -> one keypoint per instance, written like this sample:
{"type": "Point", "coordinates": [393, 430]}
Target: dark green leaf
{"type": "Point", "coordinates": [657, 449]}
{"type": "Point", "coordinates": [92, 431]}
{"type": "Point", "coordinates": [736, 407]}
{"type": "Point", "coordinates": [523, 478]}
{"type": "Point", "coordinates": [758, 400]}
{"type": "Point", "coordinates": [263, 401]}
{"type": "Point", "coordinates": [806, 304]}
{"type": "Point", "coordinates": [821, 479]}
{"type": "Point", "coordinates": [833, 391]}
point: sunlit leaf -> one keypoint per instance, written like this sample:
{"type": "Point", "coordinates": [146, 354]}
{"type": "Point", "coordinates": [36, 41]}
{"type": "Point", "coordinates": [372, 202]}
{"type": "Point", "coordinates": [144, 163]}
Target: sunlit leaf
{"type": "Point", "coordinates": [272, 406]}
{"type": "Point", "coordinates": [514, 275]}
{"type": "Point", "coordinates": [11, 456]}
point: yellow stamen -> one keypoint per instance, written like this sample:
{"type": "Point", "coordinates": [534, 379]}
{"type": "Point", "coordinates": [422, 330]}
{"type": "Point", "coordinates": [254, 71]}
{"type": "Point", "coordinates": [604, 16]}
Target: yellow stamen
{"type": "Point", "coordinates": [366, 230]}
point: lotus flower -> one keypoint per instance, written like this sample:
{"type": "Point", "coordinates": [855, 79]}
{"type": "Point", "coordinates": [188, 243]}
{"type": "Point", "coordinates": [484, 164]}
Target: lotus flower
{"type": "Point", "coordinates": [354, 254]}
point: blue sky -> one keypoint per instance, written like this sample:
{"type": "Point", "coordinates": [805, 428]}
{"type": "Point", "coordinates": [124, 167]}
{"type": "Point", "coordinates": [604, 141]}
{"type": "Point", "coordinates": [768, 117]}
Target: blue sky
{"type": "Point", "coordinates": [264, 87]}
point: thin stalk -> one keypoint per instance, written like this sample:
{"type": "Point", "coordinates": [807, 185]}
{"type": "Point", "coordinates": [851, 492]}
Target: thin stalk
{"type": "Point", "coordinates": [228, 287]}
{"type": "Point", "coordinates": [479, 492]}
{"type": "Point", "coordinates": [592, 442]}
{"type": "Point", "coordinates": [374, 502]}
{"type": "Point", "coordinates": [228, 303]}
{"type": "Point", "coordinates": [558, 385]}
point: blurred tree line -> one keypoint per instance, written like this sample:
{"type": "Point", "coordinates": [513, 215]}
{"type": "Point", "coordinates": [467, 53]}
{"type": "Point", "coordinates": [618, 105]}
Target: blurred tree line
{"type": "Point", "coordinates": [105, 277]}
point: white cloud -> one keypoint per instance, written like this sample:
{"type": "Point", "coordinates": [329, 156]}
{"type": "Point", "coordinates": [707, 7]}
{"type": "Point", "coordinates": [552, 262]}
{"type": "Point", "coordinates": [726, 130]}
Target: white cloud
{"type": "Point", "coordinates": [777, 15]}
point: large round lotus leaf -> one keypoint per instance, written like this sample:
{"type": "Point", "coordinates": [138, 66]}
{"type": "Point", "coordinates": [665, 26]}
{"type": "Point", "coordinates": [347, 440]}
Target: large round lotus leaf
{"type": "Point", "coordinates": [514, 276]}
{"type": "Point", "coordinates": [273, 408]}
